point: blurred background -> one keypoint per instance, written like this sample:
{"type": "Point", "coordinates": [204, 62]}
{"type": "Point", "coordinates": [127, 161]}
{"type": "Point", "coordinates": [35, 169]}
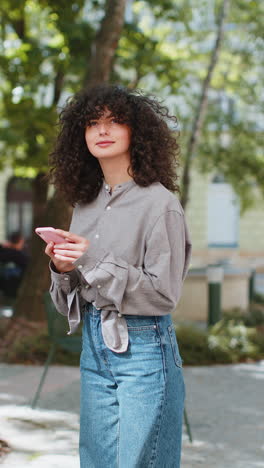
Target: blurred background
{"type": "Point", "coordinates": [204, 59]}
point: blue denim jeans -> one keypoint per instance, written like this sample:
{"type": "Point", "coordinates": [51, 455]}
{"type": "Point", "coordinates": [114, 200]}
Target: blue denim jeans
{"type": "Point", "coordinates": [131, 403]}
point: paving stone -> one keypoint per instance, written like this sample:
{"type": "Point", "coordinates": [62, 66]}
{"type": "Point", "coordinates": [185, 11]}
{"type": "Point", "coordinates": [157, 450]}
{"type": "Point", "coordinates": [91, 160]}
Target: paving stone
{"type": "Point", "coordinates": [224, 405]}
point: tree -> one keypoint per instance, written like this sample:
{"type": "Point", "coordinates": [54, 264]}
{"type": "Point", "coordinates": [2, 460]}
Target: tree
{"type": "Point", "coordinates": [168, 54]}
{"type": "Point", "coordinates": [106, 42]}
{"type": "Point", "coordinates": [55, 70]}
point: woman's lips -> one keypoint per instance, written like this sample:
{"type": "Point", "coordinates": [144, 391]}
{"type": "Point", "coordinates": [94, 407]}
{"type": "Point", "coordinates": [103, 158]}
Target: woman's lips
{"type": "Point", "coordinates": [104, 144]}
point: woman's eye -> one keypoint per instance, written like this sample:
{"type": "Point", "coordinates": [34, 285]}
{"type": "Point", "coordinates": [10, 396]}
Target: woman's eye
{"type": "Point", "coordinates": [92, 123]}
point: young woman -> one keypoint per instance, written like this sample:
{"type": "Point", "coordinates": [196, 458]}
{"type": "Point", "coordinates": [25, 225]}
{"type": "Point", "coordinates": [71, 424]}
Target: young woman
{"type": "Point", "coordinates": [121, 271]}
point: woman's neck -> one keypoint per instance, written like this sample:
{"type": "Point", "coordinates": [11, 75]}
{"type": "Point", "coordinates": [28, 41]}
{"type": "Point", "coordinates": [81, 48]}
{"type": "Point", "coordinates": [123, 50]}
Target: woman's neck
{"type": "Point", "coordinates": [115, 175]}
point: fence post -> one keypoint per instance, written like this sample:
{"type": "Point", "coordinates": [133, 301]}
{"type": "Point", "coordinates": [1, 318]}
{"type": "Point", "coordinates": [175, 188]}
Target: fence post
{"type": "Point", "coordinates": [214, 277]}
{"type": "Point", "coordinates": [251, 286]}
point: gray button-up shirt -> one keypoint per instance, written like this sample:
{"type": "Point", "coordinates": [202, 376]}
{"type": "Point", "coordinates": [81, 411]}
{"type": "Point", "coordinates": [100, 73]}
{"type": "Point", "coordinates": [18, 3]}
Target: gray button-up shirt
{"type": "Point", "coordinates": [136, 262]}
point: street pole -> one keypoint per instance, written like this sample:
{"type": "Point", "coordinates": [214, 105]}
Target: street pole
{"type": "Point", "coordinates": [215, 276]}
{"type": "Point", "coordinates": [251, 286]}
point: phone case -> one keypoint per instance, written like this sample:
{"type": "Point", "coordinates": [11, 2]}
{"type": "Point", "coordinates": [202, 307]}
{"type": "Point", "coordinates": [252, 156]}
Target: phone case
{"type": "Point", "coordinates": [48, 234]}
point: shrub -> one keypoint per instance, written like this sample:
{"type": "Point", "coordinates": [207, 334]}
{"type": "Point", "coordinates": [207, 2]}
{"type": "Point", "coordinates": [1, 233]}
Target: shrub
{"type": "Point", "coordinates": [252, 317]}
{"type": "Point", "coordinates": [234, 338]}
{"type": "Point", "coordinates": [228, 341]}
{"type": "Point", "coordinates": [259, 298]}
{"type": "Point", "coordinates": [194, 349]}
{"type": "Point", "coordinates": [258, 340]}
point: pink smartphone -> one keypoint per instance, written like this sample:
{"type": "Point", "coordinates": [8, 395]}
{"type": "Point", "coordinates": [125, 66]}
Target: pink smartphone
{"type": "Point", "coordinates": [48, 234]}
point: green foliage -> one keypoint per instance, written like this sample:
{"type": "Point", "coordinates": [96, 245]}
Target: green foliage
{"type": "Point", "coordinates": [259, 298]}
{"type": "Point", "coordinates": [239, 336]}
{"type": "Point", "coordinates": [252, 318]}
{"type": "Point", "coordinates": [258, 341]}
{"type": "Point", "coordinates": [194, 349]}
{"type": "Point", "coordinates": [165, 49]}
{"type": "Point", "coordinates": [44, 52]}
{"type": "Point", "coordinates": [234, 338]}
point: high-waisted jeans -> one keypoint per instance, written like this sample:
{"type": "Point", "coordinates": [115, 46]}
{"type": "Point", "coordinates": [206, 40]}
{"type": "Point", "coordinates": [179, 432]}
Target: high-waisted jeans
{"type": "Point", "coordinates": [132, 402]}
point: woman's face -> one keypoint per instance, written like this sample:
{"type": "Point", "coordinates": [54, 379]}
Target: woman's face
{"type": "Point", "coordinates": [106, 138]}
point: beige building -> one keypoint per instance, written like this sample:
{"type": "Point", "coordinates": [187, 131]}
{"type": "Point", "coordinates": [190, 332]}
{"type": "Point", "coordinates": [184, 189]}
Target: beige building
{"type": "Point", "coordinates": [221, 235]}
{"type": "Point", "coordinates": [218, 230]}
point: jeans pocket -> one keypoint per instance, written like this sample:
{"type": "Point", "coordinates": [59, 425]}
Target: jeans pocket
{"type": "Point", "coordinates": [142, 330]}
{"type": "Point", "coordinates": [174, 346]}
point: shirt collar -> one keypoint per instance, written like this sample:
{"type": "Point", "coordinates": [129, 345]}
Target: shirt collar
{"type": "Point", "coordinates": [121, 186]}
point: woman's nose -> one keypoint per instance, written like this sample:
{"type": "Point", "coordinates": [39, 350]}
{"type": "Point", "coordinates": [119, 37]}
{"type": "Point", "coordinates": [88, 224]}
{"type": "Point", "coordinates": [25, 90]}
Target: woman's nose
{"type": "Point", "coordinates": [103, 129]}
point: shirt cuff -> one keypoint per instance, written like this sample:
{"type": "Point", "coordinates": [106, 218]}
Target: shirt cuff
{"type": "Point", "coordinates": [67, 280]}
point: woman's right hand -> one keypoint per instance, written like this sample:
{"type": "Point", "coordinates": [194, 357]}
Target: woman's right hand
{"type": "Point", "coordinates": [65, 254]}
{"type": "Point", "coordinates": [62, 266]}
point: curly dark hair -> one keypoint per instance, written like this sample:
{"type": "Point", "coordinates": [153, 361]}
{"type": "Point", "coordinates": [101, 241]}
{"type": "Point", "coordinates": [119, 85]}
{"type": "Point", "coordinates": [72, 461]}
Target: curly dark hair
{"type": "Point", "coordinates": [154, 149]}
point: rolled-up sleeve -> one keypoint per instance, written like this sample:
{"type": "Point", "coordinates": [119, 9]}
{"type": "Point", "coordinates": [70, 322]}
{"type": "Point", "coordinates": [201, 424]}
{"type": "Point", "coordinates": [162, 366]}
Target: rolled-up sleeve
{"type": "Point", "coordinates": [62, 284]}
{"type": "Point", "coordinates": [153, 288]}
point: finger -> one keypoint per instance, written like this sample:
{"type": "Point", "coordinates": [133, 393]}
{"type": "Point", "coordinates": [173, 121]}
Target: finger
{"type": "Point", "coordinates": [72, 237]}
{"type": "Point", "coordinates": [65, 259]}
{"type": "Point", "coordinates": [70, 246]}
{"type": "Point", "coordinates": [67, 253]}
{"type": "Point", "coordinates": [49, 249]}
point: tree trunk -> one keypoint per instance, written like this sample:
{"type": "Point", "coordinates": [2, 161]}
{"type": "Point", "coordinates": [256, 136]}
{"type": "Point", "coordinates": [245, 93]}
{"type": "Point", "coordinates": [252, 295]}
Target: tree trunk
{"type": "Point", "coordinates": [202, 106]}
{"type": "Point", "coordinates": [29, 302]}
{"type": "Point", "coordinates": [106, 42]}
{"type": "Point", "coordinates": [40, 194]}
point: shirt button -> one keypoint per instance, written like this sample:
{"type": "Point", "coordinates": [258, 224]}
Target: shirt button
{"type": "Point", "coordinates": [66, 278]}
{"type": "Point", "coordinates": [107, 187]}
{"type": "Point", "coordinates": [119, 315]}
{"type": "Point", "coordinates": [98, 286]}
{"type": "Point", "coordinates": [108, 208]}
{"type": "Point", "coordinates": [96, 236]}
{"type": "Point", "coordinates": [80, 267]}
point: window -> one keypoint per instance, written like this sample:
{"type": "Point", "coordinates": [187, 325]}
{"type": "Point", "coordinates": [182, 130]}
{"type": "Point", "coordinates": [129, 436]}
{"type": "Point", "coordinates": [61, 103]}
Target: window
{"type": "Point", "coordinates": [223, 214]}
{"type": "Point", "coordinates": [19, 210]}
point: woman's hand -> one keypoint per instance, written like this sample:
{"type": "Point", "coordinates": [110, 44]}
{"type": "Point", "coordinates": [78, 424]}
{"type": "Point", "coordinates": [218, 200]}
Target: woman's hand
{"type": "Point", "coordinates": [64, 255]}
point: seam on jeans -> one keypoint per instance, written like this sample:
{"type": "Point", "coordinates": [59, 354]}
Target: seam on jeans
{"type": "Point", "coordinates": [160, 419]}
{"type": "Point", "coordinates": [162, 349]}
{"type": "Point", "coordinates": [162, 403]}
{"type": "Point", "coordinates": [142, 327]}
{"type": "Point", "coordinates": [177, 359]}
{"type": "Point", "coordinates": [107, 364]}
{"type": "Point", "coordinates": [118, 438]}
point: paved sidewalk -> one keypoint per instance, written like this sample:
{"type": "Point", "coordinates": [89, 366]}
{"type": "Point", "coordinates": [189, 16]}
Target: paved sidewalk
{"type": "Point", "coordinates": [224, 403]}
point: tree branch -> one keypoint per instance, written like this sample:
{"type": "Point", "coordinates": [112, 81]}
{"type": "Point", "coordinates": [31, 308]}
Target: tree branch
{"type": "Point", "coordinates": [58, 85]}
{"type": "Point", "coordinates": [202, 105]}
{"type": "Point", "coordinates": [18, 24]}
{"type": "Point", "coordinates": [106, 42]}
